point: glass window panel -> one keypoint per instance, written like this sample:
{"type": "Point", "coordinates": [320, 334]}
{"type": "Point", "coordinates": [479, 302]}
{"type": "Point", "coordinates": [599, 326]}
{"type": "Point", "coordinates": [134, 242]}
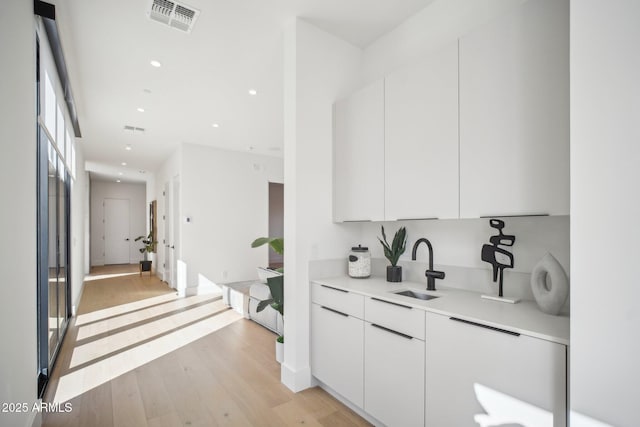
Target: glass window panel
{"type": "Point", "coordinates": [67, 144]}
{"type": "Point", "coordinates": [60, 131]}
{"type": "Point", "coordinates": [52, 200]}
{"type": "Point", "coordinates": [73, 159]}
{"type": "Point", "coordinates": [50, 105]}
{"type": "Point", "coordinates": [62, 248]}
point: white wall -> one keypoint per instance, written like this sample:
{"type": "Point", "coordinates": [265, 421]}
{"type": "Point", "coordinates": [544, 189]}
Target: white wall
{"type": "Point", "coordinates": [457, 245]}
{"type": "Point", "coordinates": [138, 216]}
{"type": "Point", "coordinates": [79, 227]}
{"type": "Point", "coordinates": [18, 370]}
{"type": "Point", "coordinates": [319, 69]}
{"type": "Point", "coordinates": [605, 154]}
{"type": "Point", "coordinates": [225, 194]}
{"type": "Point", "coordinates": [438, 24]}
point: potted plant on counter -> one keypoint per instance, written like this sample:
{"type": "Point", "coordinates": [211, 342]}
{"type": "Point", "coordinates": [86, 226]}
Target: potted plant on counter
{"type": "Point", "coordinates": [276, 287]}
{"type": "Point", "coordinates": [392, 253]}
{"type": "Point", "coordinates": [149, 246]}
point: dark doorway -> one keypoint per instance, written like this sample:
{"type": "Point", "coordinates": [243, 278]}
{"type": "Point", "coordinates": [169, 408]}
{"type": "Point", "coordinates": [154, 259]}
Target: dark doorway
{"type": "Point", "coordinates": [276, 220]}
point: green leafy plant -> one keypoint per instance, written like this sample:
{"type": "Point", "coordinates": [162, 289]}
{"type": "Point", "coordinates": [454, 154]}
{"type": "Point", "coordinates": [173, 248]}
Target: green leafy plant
{"type": "Point", "coordinates": [276, 243]}
{"type": "Point", "coordinates": [149, 243]}
{"type": "Point", "coordinates": [398, 246]}
{"type": "Point", "coordinates": [275, 284]}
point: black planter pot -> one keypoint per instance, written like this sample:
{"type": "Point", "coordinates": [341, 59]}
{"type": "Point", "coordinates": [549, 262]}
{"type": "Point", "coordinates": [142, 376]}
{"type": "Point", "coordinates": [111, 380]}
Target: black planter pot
{"type": "Point", "coordinates": [145, 266]}
{"type": "Point", "coordinates": [394, 273]}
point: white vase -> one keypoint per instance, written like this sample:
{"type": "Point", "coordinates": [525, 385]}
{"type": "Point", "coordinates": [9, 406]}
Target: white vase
{"type": "Point", "coordinates": [279, 352]}
{"type": "Point", "coordinates": [549, 284]}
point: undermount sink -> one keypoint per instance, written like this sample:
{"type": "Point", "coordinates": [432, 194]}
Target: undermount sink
{"type": "Point", "coordinates": [418, 295]}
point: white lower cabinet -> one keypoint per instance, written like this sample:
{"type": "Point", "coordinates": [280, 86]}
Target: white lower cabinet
{"type": "Point", "coordinates": [393, 377]}
{"type": "Point", "coordinates": [337, 341]}
{"type": "Point", "coordinates": [481, 376]}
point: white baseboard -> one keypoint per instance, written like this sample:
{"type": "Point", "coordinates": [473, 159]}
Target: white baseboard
{"type": "Point", "coordinates": [296, 380]}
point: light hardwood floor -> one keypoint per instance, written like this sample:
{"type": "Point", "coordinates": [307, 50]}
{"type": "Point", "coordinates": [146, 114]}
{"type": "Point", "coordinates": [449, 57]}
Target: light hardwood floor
{"type": "Point", "coordinates": [137, 355]}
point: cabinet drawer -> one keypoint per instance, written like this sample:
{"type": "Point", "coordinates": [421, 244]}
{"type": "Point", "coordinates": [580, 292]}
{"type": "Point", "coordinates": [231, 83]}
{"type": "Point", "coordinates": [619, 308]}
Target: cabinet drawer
{"type": "Point", "coordinates": [395, 316]}
{"type": "Point", "coordinates": [338, 299]}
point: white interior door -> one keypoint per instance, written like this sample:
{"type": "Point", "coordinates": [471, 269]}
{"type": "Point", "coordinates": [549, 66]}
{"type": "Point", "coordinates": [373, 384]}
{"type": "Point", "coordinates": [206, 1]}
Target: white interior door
{"type": "Point", "coordinates": [167, 234]}
{"type": "Point", "coordinates": [117, 242]}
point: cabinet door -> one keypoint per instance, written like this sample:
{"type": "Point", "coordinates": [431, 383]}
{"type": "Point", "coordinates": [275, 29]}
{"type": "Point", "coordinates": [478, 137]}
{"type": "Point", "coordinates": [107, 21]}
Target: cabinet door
{"type": "Point", "coordinates": [393, 377]}
{"type": "Point", "coordinates": [491, 377]}
{"type": "Point", "coordinates": [514, 113]}
{"type": "Point", "coordinates": [421, 139]}
{"type": "Point", "coordinates": [358, 156]}
{"type": "Point", "coordinates": [337, 342]}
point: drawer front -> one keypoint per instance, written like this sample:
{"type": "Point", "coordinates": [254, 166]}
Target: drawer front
{"type": "Point", "coordinates": [337, 299]}
{"type": "Point", "coordinates": [398, 317]}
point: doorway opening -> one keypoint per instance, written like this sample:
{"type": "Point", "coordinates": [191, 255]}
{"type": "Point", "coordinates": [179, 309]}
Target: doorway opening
{"type": "Point", "coordinates": [276, 220]}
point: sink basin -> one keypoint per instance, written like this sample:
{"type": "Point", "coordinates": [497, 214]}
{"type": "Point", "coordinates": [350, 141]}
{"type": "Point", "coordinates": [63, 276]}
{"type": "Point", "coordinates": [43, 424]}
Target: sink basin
{"type": "Point", "coordinates": [418, 295]}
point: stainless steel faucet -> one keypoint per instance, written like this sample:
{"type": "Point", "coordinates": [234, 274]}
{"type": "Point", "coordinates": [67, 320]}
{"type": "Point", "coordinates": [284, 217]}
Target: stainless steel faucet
{"type": "Point", "coordinates": [431, 274]}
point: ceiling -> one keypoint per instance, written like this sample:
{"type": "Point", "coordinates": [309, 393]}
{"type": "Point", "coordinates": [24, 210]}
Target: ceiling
{"type": "Point", "coordinates": [236, 45]}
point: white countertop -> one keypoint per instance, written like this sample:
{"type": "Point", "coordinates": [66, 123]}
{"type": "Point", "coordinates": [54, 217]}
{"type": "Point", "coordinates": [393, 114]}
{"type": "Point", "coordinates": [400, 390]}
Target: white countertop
{"type": "Point", "coordinates": [524, 317]}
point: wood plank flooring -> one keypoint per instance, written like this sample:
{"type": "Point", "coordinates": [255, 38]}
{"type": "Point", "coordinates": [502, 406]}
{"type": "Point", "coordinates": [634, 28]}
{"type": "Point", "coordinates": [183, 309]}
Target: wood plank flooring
{"type": "Point", "coordinates": [137, 355]}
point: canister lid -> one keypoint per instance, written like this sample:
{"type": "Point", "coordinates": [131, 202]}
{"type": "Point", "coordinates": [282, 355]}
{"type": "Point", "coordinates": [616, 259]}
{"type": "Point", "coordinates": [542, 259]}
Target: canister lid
{"type": "Point", "coordinates": [360, 248]}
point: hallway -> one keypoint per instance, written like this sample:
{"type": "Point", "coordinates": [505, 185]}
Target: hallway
{"type": "Point", "coordinates": [137, 355]}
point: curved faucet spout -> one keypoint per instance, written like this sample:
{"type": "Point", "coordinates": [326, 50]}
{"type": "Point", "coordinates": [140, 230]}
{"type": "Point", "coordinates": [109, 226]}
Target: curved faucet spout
{"type": "Point", "coordinates": [431, 274]}
{"type": "Point", "coordinates": [415, 251]}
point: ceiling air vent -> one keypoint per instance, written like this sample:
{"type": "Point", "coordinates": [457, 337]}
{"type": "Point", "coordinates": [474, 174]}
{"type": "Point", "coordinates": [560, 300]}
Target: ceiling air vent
{"type": "Point", "coordinates": [174, 14]}
{"type": "Point", "coordinates": [133, 129]}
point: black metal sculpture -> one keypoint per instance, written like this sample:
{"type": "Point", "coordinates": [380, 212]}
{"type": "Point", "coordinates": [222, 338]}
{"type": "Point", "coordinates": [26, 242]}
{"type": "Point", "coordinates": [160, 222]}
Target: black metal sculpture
{"type": "Point", "coordinates": [499, 258]}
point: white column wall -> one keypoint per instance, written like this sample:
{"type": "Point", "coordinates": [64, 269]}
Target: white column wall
{"type": "Point", "coordinates": [18, 370]}
{"type": "Point", "coordinates": [319, 69]}
{"type": "Point", "coordinates": [605, 154]}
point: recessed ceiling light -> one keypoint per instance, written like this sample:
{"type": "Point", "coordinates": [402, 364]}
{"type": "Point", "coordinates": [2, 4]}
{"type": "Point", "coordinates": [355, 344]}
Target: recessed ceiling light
{"type": "Point", "coordinates": [140, 109]}
{"type": "Point", "coordinates": [128, 148]}
{"type": "Point", "coordinates": [156, 64]}
{"type": "Point", "coordinates": [250, 148]}
{"type": "Point", "coordinates": [120, 173]}
{"type": "Point", "coordinates": [215, 125]}
{"type": "Point", "coordinates": [124, 163]}
{"type": "Point", "coordinates": [146, 90]}
{"type": "Point", "coordinates": [253, 92]}
{"type": "Point", "coordinates": [117, 180]}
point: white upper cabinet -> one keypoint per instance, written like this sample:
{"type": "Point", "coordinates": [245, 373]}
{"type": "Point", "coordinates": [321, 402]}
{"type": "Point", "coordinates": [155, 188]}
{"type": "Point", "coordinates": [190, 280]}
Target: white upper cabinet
{"type": "Point", "coordinates": [421, 138]}
{"type": "Point", "coordinates": [514, 113]}
{"type": "Point", "coordinates": [358, 156]}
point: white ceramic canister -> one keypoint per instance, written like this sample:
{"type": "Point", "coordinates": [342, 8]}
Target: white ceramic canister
{"type": "Point", "coordinates": [359, 262]}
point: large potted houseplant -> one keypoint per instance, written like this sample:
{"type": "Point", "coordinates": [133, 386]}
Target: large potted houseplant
{"type": "Point", "coordinates": [149, 246]}
{"type": "Point", "coordinates": [392, 253]}
{"type": "Point", "coordinates": [276, 287]}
